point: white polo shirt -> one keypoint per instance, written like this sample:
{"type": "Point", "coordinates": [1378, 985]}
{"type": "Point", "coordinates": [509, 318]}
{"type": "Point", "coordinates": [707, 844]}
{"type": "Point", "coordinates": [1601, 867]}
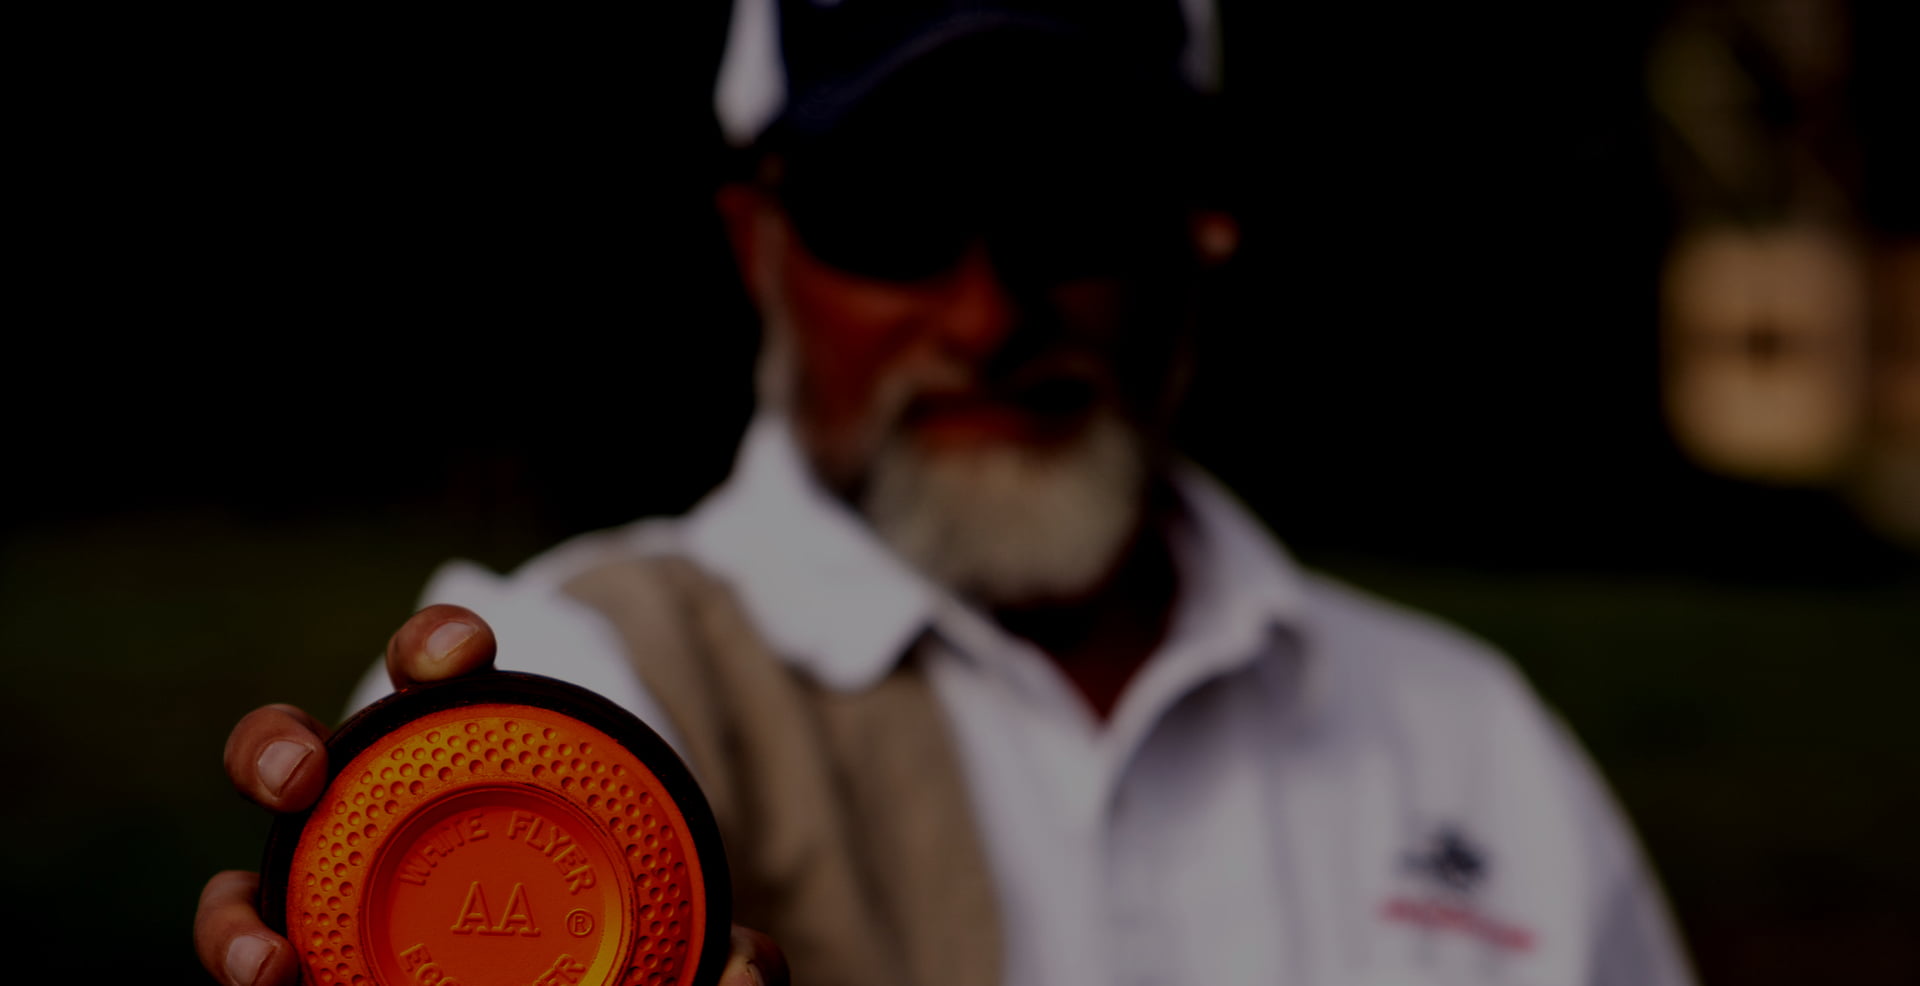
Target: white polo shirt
{"type": "Point", "coordinates": [1303, 785]}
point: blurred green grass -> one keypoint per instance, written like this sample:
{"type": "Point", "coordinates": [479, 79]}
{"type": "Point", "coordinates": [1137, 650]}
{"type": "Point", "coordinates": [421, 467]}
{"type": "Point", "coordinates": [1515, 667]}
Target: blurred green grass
{"type": "Point", "coordinates": [131, 646]}
{"type": "Point", "coordinates": [1762, 736]}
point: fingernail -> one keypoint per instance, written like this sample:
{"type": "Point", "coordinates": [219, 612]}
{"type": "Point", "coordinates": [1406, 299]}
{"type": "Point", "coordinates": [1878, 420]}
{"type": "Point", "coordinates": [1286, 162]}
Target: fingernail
{"type": "Point", "coordinates": [740, 972]}
{"type": "Point", "coordinates": [246, 957]}
{"type": "Point", "coordinates": [277, 763]}
{"type": "Point", "coordinates": [447, 638]}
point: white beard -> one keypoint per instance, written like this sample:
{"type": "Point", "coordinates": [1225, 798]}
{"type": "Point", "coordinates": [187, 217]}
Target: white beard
{"type": "Point", "coordinates": [1009, 525]}
{"type": "Point", "coordinates": [1001, 525]}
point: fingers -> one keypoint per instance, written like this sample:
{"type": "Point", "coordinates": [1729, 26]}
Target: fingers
{"type": "Point", "coordinates": [231, 940]}
{"type": "Point", "coordinates": [238, 949]}
{"type": "Point", "coordinates": [756, 961]}
{"type": "Point", "coordinates": [277, 756]}
{"type": "Point", "coordinates": [438, 643]}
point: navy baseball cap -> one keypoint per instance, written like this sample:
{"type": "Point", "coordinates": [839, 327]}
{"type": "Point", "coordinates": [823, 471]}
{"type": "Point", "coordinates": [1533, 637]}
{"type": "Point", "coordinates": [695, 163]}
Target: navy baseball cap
{"type": "Point", "coordinates": [795, 69]}
{"type": "Point", "coordinates": [1061, 133]}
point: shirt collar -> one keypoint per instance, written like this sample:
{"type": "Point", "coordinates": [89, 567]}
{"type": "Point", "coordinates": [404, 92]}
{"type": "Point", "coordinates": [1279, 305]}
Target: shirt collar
{"type": "Point", "coordinates": [1236, 580]}
{"type": "Point", "coordinates": [820, 585]}
{"type": "Point", "coordinates": [832, 598]}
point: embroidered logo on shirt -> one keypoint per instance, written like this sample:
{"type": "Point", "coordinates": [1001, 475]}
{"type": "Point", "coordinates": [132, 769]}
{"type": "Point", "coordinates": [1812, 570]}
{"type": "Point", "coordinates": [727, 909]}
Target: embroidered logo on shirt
{"type": "Point", "coordinates": [1449, 868]}
{"type": "Point", "coordinates": [1450, 860]}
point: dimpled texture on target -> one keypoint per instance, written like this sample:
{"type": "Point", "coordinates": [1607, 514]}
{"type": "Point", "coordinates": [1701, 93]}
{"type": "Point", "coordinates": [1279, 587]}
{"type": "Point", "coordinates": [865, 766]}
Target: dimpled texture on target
{"type": "Point", "coordinates": [465, 753]}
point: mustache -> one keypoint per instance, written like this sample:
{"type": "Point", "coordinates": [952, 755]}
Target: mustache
{"type": "Point", "coordinates": [1060, 381]}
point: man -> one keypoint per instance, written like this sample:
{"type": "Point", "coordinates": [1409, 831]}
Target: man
{"type": "Point", "coordinates": [974, 235]}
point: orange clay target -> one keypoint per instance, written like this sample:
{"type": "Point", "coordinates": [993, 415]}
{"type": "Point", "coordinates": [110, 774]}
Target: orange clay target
{"type": "Point", "coordinates": [501, 830]}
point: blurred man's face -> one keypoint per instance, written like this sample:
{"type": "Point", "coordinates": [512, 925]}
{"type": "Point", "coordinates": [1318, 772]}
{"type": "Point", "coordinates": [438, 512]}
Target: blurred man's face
{"type": "Point", "coordinates": [995, 414]}
{"type": "Point", "coordinates": [975, 290]}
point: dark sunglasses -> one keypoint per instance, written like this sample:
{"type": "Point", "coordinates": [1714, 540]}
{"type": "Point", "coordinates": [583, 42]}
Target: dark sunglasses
{"type": "Point", "coordinates": [1047, 211]}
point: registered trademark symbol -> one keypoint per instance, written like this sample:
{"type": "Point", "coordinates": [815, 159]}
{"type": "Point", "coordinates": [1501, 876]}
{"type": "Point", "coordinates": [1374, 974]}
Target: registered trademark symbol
{"type": "Point", "coordinates": [579, 923]}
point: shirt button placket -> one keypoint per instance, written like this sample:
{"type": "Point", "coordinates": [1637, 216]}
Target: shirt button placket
{"type": "Point", "coordinates": [1138, 943]}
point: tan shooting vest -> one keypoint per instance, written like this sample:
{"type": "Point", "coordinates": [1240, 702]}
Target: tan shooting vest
{"type": "Point", "coordinates": [846, 820]}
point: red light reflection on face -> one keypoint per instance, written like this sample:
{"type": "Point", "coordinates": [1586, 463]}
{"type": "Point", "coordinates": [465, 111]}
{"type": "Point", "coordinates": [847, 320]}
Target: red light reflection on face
{"type": "Point", "coordinates": [962, 358]}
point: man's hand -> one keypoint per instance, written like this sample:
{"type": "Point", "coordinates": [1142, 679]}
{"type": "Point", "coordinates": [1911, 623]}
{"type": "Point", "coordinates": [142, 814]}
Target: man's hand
{"type": "Point", "coordinates": [277, 757]}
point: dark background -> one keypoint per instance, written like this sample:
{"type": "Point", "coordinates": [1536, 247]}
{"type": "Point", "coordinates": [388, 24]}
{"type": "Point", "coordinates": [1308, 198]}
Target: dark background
{"type": "Point", "coordinates": [308, 304]}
